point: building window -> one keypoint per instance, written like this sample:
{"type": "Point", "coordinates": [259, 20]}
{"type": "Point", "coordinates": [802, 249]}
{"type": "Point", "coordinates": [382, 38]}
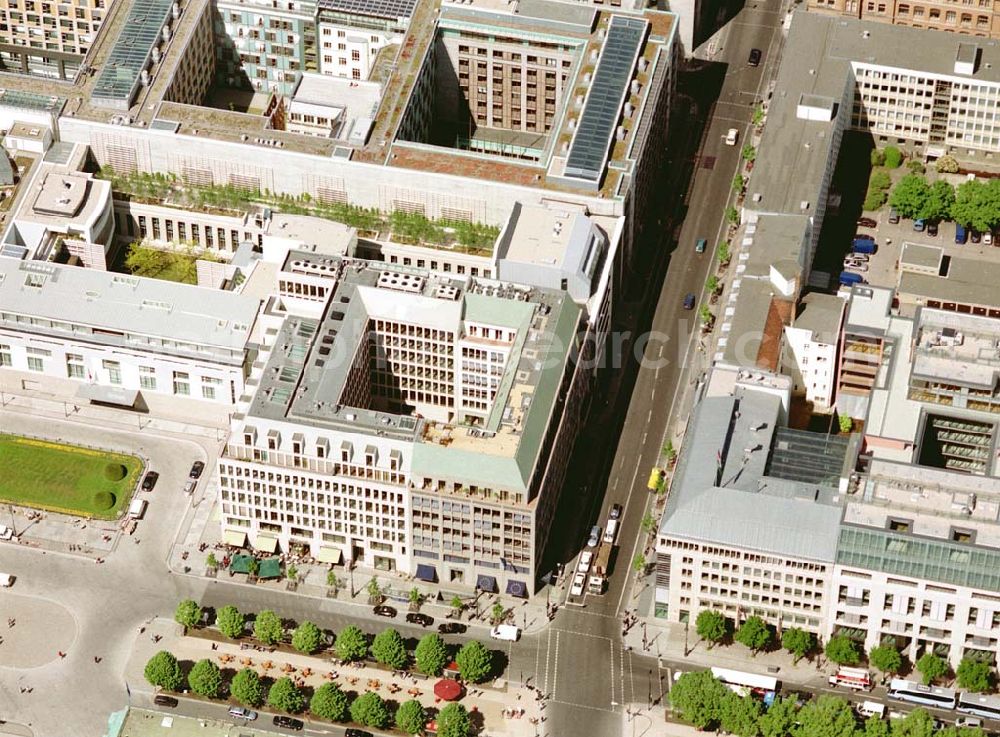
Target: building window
{"type": "Point", "coordinates": [355, 55]}
{"type": "Point", "coordinates": [74, 366]}
{"type": "Point", "coordinates": [36, 358]}
{"type": "Point", "coordinates": [208, 386]}
{"type": "Point", "coordinates": [114, 370]}
{"type": "Point", "coordinates": [5, 358]}
{"type": "Point", "coordinates": [147, 377]}
{"type": "Point", "coordinates": [182, 383]}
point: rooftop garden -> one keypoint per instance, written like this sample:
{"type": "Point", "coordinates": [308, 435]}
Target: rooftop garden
{"type": "Point", "coordinates": [178, 265]}
{"type": "Point", "coordinates": [401, 227]}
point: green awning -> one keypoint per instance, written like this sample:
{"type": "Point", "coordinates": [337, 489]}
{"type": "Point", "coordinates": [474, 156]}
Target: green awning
{"type": "Point", "coordinates": [266, 543]}
{"type": "Point", "coordinates": [240, 564]}
{"type": "Point", "coordinates": [329, 555]}
{"type": "Point", "coordinates": [270, 568]}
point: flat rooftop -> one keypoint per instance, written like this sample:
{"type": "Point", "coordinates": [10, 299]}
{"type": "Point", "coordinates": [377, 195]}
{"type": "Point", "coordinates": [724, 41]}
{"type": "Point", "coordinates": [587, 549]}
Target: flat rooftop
{"type": "Point", "coordinates": [63, 195]}
{"type": "Point", "coordinates": [820, 314]}
{"type": "Point", "coordinates": [541, 235]}
{"type": "Point", "coordinates": [965, 281]}
{"type": "Point", "coordinates": [868, 310]}
{"type": "Point", "coordinates": [921, 256]}
{"type": "Point", "coordinates": [956, 348]}
{"type": "Point", "coordinates": [891, 413]}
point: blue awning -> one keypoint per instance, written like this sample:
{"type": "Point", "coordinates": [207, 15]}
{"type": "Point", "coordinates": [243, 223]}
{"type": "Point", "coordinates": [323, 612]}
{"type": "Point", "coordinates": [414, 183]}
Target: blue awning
{"type": "Point", "coordinates": [486, 583]}
{"type": "Point", "coordinates": [426, 573]}
{"type": "Point", "coordinates": [517, 588]}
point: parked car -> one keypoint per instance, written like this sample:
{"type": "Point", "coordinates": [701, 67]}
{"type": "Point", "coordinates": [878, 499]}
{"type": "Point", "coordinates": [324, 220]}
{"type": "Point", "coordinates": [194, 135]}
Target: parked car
{"type": "Point", "coordinates": [969, 722]}
{"type": "Point", "coordinates": [732, 136]}
{"type": "Point", "coordinates": [189, 487]}
{"type": "Point", "coordinates": [893, 215]}
{"type": "Point", "coordinates": [689, 301]}
{"type": "Point", "coordinates": [150, 481]}
{"type": "Point", "coordinates": [700, 246]}
{"type": "Point", "coordinates": [988, 238]}
{"type": "Point", "coordinates": [384, 610]}
{"type": "Point", "coordinates": [919, 225]}
{"type": "Point", "coordinates": [975, 236]}
{"type": "Point", "coordinates": [616, 511]}
{"type": "Point", "coordinates": [161, 699]}
{"type": "Point", "coordinates": [755, 56]}
{"type": "Point", "coordinates": [241, 712]}
{"type": "Point", "coordinates": [288, 723]}
{"type": "Point", "coordinates": [196, 468]}
{"type": "Point", "coordinates": [932, 229]}
{"type": "Point", "coordinates": [452, 628]}
{"type": "Point", "coordinates": [506, 632]}
{"type": "Point", "coordinates": [357, 733]}
{"type": "Point", "coordinates": [424, 620]}
{"type": "Point", "coordinates": [961, 234]}
{"type": "Point", "coordinates": [585, 559]}
{"type": "Point", "coordinates": [595, 537]}
{"type": "Point", "coordinates": [867, 222]}
{"type": "Point", "coordinates": [579, 581]}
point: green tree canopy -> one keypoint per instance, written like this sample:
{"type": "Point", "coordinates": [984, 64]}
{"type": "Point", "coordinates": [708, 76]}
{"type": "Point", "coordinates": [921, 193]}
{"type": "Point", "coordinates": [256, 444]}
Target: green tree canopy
{"type": "Point", "coordinates": [940, 201]}
{"type": "Point", "coordinates": [285, 696]}
{"type": "Point", "coordinates": [845, 423]}
{"type": "Point", "coordinates": [351, 644]}
{"type": "Point", "coordinates": [188, 613]}
{"type": "Point", "coordinates": [329, 702]}
{"type": "Point", "coordinates": [307, 638]}
{"type": "Point", "coordinates": [754, 634]}
{"type": "Point", "coordinates": [749, 153]}
{"type": "Point", "coordinates": [711, 626]}
{"type": "Point", "coordinates": [456, 603]}
{"type": "Point", "coordinates": [893, 157]}
{"type": "Point", "coordinates": [431, 655]}
{"type": "Point", "coordinates": [798, 642]}
{"type": "Point", "coordinates": [411, 717]}
{"type": "Point", "coordinates": [453, 721]}
{"type": "Point", "coordinates": [880, 179]}
{"type": "Point", "coordinates": [875, 726]}
{"type": "Point", "coordinates": [827, 716]}
{"type": "Point", "coordinates": [389, 649]}
{"type": "Point", "coordinates": [886, 659]}
{"type": "Point", "coordinates": [910, 196]}
{"type": "Point", "coordinates": [370, 710]}
{"type": "Point", "coordinates": [497, 613]}
{"type": "Point", "coordinates": [779, 719]}
{"type": "Point", "coordinates": [918, 723]}
{"type": "Point", "coordinates": [475, 662]}
{"type": "Point", "coordinates": [740, 716]}
{"type": "Point", "coordinates": [974, 675]}
{"type": "Point", "coordinates": [842, 651]}
{"type": "Point", "coordinates": [247, 688]}
{"type": "Point", "coordinates": [947, 165]}
{"type": "Point", "coordinates": [267, 627]}
{"type": "Point", "coordinates": [164, 671]}
{"type": "Point", "coordinates": [877, 157]}
{"type": "Point", "coordinates": [931, 667]}
{"type": "Point", "coordinates": [698, 696]}
{"type": "Point", "coordinates": [374, 590]}
{"type": "Point", "coordinates": [205, 679]}
{"type": "Point", "coordinates": [230, 622]}
{"type": "Point", "coordinates": [977, 204]}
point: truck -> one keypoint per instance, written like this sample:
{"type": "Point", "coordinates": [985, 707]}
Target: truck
{"type": "Point", "coordinates": [655, 479]}
{"type": "Point", "coordinates": [849, 278]}
{"type": "Point", "coordinates": [137, 508]}
{"type": "Point", "coordinates": [863, 245]}
{"type": "Point", "coordinates": [596, 584]}
{"type": "Point", "coordinates": [602, 564]}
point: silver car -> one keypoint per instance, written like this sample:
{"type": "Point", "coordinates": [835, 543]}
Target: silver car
{"type": "Point", "coordinates": [595, 537]}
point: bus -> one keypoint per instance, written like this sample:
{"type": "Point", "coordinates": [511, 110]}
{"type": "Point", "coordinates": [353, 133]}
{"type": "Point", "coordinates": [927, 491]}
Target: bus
{"type": "Point", "coordinates": [987, 707]}
{"type": "Point", "coordinates": [857, 678]}
{"type": "Point", "coordinates": [918, 693]}
{"type": "Point", "coordinates": [745, 684]}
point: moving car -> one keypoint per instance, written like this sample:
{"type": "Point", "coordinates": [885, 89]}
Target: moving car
{"type": "Point", "coordinates": [689, 301]}
{"type": "Point", "coordinates": [288, 723]}
{"type": "Point", "coordinates": [578, 583]}
{"type": "Point", "coordinates": [506, 632]}
{"type": "Point", "coordinates": [384, 610]}
{"type": "Point", "coordinates": [424, 620]}
{"type": "Point", "coordinates": [595, 537]}
{"type": "Point", "coordinates": [451, 628]}
{"type": "Point", "coordinates": [585, 558]}
{"type": "Point", "coordinates": [699, 247]}
{"type": "Point", "coordinates": [150, 481]}
{"type": "Point", "coordinates": [242, 713]}
{"type": "Point", "coordinates": [755, 56]}
{"type": "Point", "coordinates": [163, 700]}
{"type": "Point", "coordinates": [732, 136]}
{"type": "Point", "coordinates": [196, 468]}
{"type": "Point", "coordinates": [616, 511]}
{"type": "Point", "coordinates": [969, 722]}
{"type": "Point", "coordinates": [867, 222]}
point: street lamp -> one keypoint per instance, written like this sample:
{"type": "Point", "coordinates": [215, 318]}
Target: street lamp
{"type": "Point", "coordinates": [687, 626]}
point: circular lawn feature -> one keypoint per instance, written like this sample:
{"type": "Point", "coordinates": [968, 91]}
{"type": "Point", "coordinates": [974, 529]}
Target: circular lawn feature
{"type": "Point", "coordinates": [115, 471]}
{"type": "Point", "coordinates": [104, 500]}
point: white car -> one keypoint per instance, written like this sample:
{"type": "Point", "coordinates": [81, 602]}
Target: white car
{"type": "Point", "coordinates": [732, 136]}
{"type": "Point", "coordinates": [578, 583]}
{"type": "Point", "coordinates": [585, 558]}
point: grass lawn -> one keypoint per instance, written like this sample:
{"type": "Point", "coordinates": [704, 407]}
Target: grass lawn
{"type": "Point", "coordinates": [66, 478]}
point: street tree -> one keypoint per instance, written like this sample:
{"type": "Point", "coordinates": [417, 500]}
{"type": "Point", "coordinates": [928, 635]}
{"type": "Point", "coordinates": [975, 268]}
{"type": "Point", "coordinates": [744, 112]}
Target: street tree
{"type": "Point", "coordinates": [749, 153]}
{"type": "Point", "coordinates": [639, 563]}
{"type": "Point", "coordinates": [453, 721]}
{"type": "Point", "coordinates": [329, 702]}
{"type": "Point", "coordinates": [827, 716]}
{"type": "Point", "coordinates": [697, 696]}
{"type": "Point", "coordinates": [497, 613]}
{"type": "Point", "coordinates": [931, 667]}
{"type": "Point", "coordinates": [648, 524]}
{"type": "Point", "coordinates": [334, 581]}
{"type": "Point", "coordinates": [842, 651]}
{"type": "Point", "coordinates": [164, 671]}
{"type": "Point", "coordinates": [974, 675]}
{"type": "Point", "coordinates": [887, 659]}
{"type": "Point", "coordinates": [963, 732]}
{"type": "Point", "coordinates": [370, 710]}
{"type": "Point", "coordinates": [285, 696]}
{"type": "Point", "coordinates": [754, 634]}
{"type": "Point", "coordinates": [211, 561]}
{"type": "Point", "coordinates": [457, 604]}
{"type": "Point", "coordinates": [740, 716]}
{"type": "Point", "coordinates": [292, 573]}
{"type": "Point", "coordinates": [475, 662]}
{"type": "Point", "coordinates": [940, 201]}
{"type": "Point", "coordinates": [712, 284]}
{"type": "Point", "coordinates": [389, 649]}
{"type": "Point", "coordinates": [205, 679]}
{"type": "Point", "coordinates": [779, 719]}
{"type": "Point", "coordinates": [247, 688]}
{"type": "Point", "coordinates": [733, 215]}
{"type": "Point", "coordinates": [230, 622]}
{"type": "Point", "coordinates": [416, 598]}
{"type": "Point", "coordinates": [798, 642]}
{"type": "Point", "coordinates": [188, 613]}
{"type": "Point", "coordinates": [351, 644]}
{"type": "Point", "coordinates": [739, 182]}
{"type": "Point", "coordinates": [411, 717]}
{"type": "Point", "coordinates": [875, 726]}
{"type": "Point", "coordinates": [431, 655]}
{"type": "Point", "coordinates": [267, 627]}
{"type": "Point", "coordinates": [722, 252]}
{"type": "Point", "coordinates": [253, 567]}
{"type": "Point", "coordinates": [910, 196]}
{"type": "Point", "coordinates": [705, 315]}
{"type": "Point", "coordinates": [918, 723]}
{"type": "Point", "coordinates": [758, 115]}
{"type": "Point", "coordinates": [307, 638]}
{"type": "Point", "coordinates": [711, 626]}
{"type": "Point", "coordinates": [375, 595]}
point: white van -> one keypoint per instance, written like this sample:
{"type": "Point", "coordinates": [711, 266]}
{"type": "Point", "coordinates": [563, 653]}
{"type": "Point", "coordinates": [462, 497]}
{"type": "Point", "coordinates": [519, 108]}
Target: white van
{"type": "Point", "coordinates": [137, 508]}
{"type": "Point", "coordinates": [610, 531]}
{"type": "Point", "coordinates": [872, 709]}
{"type": "Point", "coordinates": [506, 632]}
{"type": "Point", "coordinates": [6, 580]}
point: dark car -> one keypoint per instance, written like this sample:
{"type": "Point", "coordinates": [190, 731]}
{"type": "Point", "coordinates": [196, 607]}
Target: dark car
{"type": "Point", "coordinates": [932, 229]}
{"type": "Point", "coordinates": [975, 236]}
{"type": "Point", "coordinates": [384, 610]}
{"type": "Point", "coordinates": [150, 481]}
{"type": "Point", "coordinates": [196, 468]}
{"type": "Point", "coordinates": [288, 723]}
{"type": "Point", "coordinates": [424, 620]}
{"type": "Point", "coordinates": [164, 700]}
{"type": "Point", "coordinates": [357, 733]}
{"type": "Point", "coordinates": [689, 302]}
{"type": "Point", "coordinates": [452, 628]}
{"type": "Point", "coordinates": [755, 56]}
{"type": "Point", "coordinates": [616, 511]}
{"type": "Point", "coordinates": [867, 223]}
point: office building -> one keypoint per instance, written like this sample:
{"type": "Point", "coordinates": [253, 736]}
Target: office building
{"type": "Point", "coordinates": [974, 19]}
{"type": "Point", "coordinates": [353, 38]}
{"type": "Point", "coordinates": [47, 39]}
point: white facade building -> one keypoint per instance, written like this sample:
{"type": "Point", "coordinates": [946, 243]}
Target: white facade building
{"type": "Point", "coordinates": [811, 347]}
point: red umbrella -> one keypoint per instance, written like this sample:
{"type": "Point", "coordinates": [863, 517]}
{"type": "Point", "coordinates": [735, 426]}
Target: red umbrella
{"type": "Point", "coordinates": [448, 689]}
